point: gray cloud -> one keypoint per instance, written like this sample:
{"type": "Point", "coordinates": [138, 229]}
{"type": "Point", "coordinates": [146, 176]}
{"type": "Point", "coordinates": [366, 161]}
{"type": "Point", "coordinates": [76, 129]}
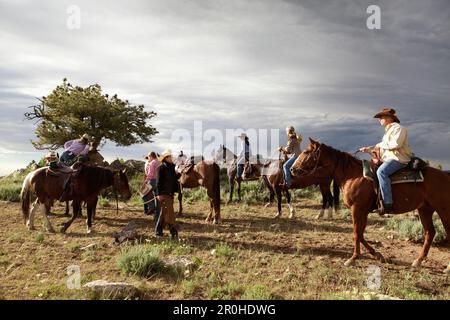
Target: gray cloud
{"type": "Point", "coordinates": [236, 64]}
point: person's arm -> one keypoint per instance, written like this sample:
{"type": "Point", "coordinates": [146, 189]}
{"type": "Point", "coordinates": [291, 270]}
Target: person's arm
{"type": "Point", "coordinates": [159, 179]}
{"type": "Point", "coordinates": [397, 139]}
{"type": "Point", "coordinates": [85, 150]}
{"type": "Point", "coordinates": [68, 144]}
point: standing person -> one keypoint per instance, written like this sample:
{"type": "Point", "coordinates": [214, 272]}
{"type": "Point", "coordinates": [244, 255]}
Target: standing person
{"type": "Point", "coordinates": [293, 151]}
{"type": "Point", "coordinates": [166, 186]}
{"type": "Point", "coordinates": [151, 170]}
{"type": "Point", "coordinates": [394, 151]}
{"type": "Point", "coordinates": [74, 148]}
{"type": "Point", "coordinates": [244, 155]}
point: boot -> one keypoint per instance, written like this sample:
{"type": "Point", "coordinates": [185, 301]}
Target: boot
{"type": "Point", "coordinates": [385, 208]}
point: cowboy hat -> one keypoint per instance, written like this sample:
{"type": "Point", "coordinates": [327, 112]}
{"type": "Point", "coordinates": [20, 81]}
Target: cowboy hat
{"type": "Point", "coordinates": [51, 155]}
{"type": "Point", "coordinates": [165, 154]}
{"type": "Point", "coordinates": [242, 135]}
{"type": "Point", "coordinates": [85, 137]}
{"type": "Point", "coordinates": [387, 112]}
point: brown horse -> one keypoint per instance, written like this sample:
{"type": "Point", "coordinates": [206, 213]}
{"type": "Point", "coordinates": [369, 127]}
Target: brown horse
{"type": "Point", "coordinates": [273, 176]}
{"type": "Point", "coordinates": [87, 185]}
{"type": "Point", "coordinates": [207, 175]}
{"type": "Point", "coordinates": [320, 161]}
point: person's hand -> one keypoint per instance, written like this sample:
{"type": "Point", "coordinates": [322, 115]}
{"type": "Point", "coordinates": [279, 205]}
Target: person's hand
{"type": "Point", "coordinates": [280, 149]}
{"type": "Point", "coordinates": [364, 149]}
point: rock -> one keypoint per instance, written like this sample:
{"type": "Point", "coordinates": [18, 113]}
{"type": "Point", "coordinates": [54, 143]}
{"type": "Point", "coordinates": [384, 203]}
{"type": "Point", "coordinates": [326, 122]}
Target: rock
{"type": "Point", "coordinates": [180, 262]}
{"type": "Point", "coordinates": [112, 290]}
{"type": "Point", "coordinates": [128, 233]}
{"type": "Point", "coordinates": [137, 165]}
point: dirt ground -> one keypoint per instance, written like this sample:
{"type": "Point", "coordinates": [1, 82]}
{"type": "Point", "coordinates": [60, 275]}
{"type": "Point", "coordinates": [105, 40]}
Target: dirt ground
{"type": "Point", "coordinates": [266, 258]}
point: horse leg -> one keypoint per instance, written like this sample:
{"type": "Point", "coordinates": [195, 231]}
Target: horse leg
{"type": "Point", "coordinates": [76, 207]}
{"type": "Point", "coordinates": [239, 190]}
{"type": "Point", "coordinates": [278, 193]}
{"type": "Point", "coordinates": [180, 203]}
{"type": "Point", "coordinates": [426, 218]}
{"type": "Point", "coordinates": [322, 210]}
{"type": "Point", "coordinates": [209, 216]}
{"type": "Point", "coordinates": [67, 213]}
{"type": "Point", "coordinates": [47, 223]}
{"type": "Point", "coordinates": [358, 230]}
{"type": "Point", "coordinates": [91, 205]}
{"type": "Point", "coordinates": [230, 198]}
{"type": "Point", "coordinates": [330, 205]}
{"type": "Point", "coordinates": [291, 207]}
{"type": "Point", "coordinates": [30, 221]}
{"type": "Point", "coordinates": [377, 255]}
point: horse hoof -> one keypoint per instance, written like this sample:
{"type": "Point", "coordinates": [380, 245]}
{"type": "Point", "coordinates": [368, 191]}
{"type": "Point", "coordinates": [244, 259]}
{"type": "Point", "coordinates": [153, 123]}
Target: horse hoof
{"type": "Point", "coordinates": [88, 230]}
{"type": "Point", "coordinates": [62, 230]}
{"type": "Point", "coordinates": [447, 270]}
{"type": "Point", "coordinates": [349, 262]}
{"type": "Point", "coordinates": [267, 205]}
{"type": "Point", "coordinates": [380, 257]}
{"type": "Point", "coordinates": [416, 264]}
{"type": "Point", "coordinates": [216, 221]}
{"type": "Point", "coordinates": [278, 215]}
{"type": "Point", "coordinates": [31, 228]}
{"type": "Point", "coordinates": [51, 230]}
{"type": "Point", "coordinates": [318, 217]}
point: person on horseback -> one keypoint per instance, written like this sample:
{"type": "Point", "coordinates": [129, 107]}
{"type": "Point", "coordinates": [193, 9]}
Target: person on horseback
{"type": "Point", "coordinates": [75, 148]}
{"type": "Point", "coordinates": [244, 155]}
{"type": "Point", "coordinates": [293, 151]}
{"type": "Point", "coordinates": [166, 186]}
{"type": "Point", "coordinates": [394, 152]}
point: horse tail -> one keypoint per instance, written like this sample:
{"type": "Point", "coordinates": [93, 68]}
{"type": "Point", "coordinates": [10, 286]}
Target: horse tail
{"type": "Point", "coordinates": [25, 197]}
{"type": "Point", "coordinates": [336, 194]}
{"type": "Point", "coordinates": [216, 187]}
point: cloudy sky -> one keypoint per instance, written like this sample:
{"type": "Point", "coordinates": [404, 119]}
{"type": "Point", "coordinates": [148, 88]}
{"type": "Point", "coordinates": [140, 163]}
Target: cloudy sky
{"type": "Point", "coordinates": [235, 64]}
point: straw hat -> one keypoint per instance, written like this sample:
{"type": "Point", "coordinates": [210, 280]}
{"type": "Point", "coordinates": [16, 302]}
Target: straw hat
{"type": "Point", "coordinates": [85, 137]}
{"type": "Point", "coordinates": [165, 154]}
{"type": "Point", "coordinates": [387, 112]}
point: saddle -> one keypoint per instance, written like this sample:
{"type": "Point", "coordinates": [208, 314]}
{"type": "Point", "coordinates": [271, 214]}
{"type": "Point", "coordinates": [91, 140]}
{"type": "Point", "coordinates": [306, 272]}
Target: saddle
{"type": "Point", "coordinates": [412, 173]}
{"type": "Point", "coordinates": [67, 174]}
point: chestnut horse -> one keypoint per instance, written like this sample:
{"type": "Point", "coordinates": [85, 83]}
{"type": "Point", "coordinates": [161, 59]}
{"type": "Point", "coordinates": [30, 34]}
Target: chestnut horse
{"type": "Point", "coordinates": [207, 175]}
{"type": "Point", "coordinates": [320, 161]}
{"type": "Point", "coordinates": [273, 176]}
{"type": "Point", "coordinates": [87, 186]}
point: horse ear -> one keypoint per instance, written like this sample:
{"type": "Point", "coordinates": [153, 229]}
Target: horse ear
{"type": "Point", "coordinates": [314, 143]}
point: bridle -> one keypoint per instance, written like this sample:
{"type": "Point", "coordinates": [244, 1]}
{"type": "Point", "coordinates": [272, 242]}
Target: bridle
{"type": "Point", "coordinates": [316, 157]}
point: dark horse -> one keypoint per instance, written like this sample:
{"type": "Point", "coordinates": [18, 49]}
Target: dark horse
{"type": "Point", "coordinates": [207, 175]}
{"type": "Point", "coordinates": [320, 161]}
{"type": "Point", "coordinates": [273, 176]}
{"type": "Point", "coordinates": [228, 158]}
{"type": "Point", "coordinates": [87, 186]}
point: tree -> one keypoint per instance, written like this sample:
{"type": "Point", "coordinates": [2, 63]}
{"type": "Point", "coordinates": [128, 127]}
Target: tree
{"type": "Point", "coordinates": [70, 111]}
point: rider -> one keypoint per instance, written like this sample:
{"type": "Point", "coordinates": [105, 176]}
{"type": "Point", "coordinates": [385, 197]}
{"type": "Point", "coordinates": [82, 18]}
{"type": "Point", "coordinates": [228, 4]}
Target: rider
{"type": "Point", "coordinates": [74, 148]}
{"type": "Point", "coordinates": [244, 155]}
{"type": "Point", "coordinates": [292, 149]}
{"type": "Point", "coordinates": [394, 152]}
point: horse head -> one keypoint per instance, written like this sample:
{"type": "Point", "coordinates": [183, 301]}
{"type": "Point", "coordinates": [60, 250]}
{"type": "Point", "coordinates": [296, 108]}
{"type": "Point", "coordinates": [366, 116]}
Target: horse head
{"type": "Point", "coordinates": [121, 185]}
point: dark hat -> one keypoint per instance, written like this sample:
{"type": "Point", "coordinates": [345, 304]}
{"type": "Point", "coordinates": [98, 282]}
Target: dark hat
{"type": "Point", "coordinates": [387, 112]}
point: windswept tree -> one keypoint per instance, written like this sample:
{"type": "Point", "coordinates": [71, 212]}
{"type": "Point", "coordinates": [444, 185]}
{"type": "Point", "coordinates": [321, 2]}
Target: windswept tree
{"type": "Point", "coordinates": [70, 111]}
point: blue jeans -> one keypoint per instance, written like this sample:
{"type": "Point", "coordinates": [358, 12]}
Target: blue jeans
{"type": "Point", "coordinates": [383, 173]}
{"type": "Point", "coordinates": [67, 157]}
{"type": "Point", "coordinates": [149, 196]}
{"type": "Point", "coordinates": [287, 169]}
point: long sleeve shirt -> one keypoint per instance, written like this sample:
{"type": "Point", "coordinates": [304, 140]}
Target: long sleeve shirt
{"type": "Point", "coordinates": [293, 146]}
{"type": "Point", "coordinates": [394, 145]}
{"type": "Point", "coordinates": [151, 169]}
{"type": "Point", "coordinates": [76, 147]}
{"type": "Point", "coordinates": [246, 152]}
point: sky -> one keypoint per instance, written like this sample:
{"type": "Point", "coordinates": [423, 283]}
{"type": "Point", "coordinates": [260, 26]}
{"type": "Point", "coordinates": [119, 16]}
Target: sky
{"type": "Point", "coordinates": [231, 64]}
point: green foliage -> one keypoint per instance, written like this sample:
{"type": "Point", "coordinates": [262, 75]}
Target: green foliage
{"type": "Point", "coordinates": [224, 250]}
{"type": "Point", "coordinates": [143, 261]}
{"type": "Point", "coordinates": [103, 202]}
{"type": "Point", "coordinates": [257, 292]}
{"type": "Point", "coordinates": [411, 228]}
{"type": "Point", "coordinates": [39, 238]}
{"type": "Point", "coordinates": [69, 111]}
{"type": "Point", "coordinates": [231, 290]}
{"type": "Point", "coordinates": [10, 192]}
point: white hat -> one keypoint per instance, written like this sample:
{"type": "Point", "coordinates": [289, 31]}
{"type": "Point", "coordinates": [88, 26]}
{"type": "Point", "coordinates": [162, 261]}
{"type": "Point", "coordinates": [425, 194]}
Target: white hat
{"type": "Point", "coordinates": [242, 135]}
{"type": "Point", "coordinates": [165, 154]}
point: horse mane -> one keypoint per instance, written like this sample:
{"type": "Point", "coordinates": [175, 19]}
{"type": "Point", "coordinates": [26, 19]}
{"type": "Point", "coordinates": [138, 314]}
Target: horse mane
{"type": "Point", "coordinates": [345, 158]}
{"type": "Point", "coordinates": [97, 178]}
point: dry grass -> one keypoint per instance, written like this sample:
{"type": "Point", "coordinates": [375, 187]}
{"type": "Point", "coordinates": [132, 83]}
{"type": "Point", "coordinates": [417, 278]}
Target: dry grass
{"type": "Point", "coordinates": [249, 256]}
